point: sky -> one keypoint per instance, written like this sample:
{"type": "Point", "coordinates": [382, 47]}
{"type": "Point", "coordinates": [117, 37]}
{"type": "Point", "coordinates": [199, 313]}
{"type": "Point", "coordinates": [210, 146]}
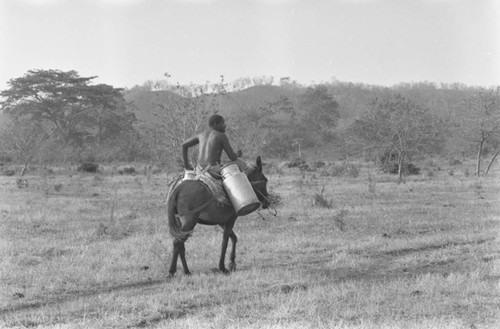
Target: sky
{"type": "Point", "coordinates": [128, 42]}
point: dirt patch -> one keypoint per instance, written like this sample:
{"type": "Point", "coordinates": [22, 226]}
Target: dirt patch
{"type": "Point", "coordinates": [74, 295]}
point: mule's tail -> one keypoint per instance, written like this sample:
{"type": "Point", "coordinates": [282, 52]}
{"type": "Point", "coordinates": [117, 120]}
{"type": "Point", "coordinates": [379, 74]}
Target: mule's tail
{"type": "Point", "coordinates": [173, 224]}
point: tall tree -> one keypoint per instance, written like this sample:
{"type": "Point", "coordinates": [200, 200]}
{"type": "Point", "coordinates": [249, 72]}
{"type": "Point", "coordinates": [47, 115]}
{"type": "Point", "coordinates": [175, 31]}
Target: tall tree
{"type": "Point", "coordinates": [23, 141]}
{"type": "Point", "coordinates": [399, 125]}
{"type": "Point", "coordinates": [480, 122]}
{"type": "Point", "coordinates": [320, 111]}
{"type": "Point", "coordinates": [279, 127]}
{"type": "Point", "coordinates": [67, 101]}
{"type": "Point", "coordinates": [106, 115]}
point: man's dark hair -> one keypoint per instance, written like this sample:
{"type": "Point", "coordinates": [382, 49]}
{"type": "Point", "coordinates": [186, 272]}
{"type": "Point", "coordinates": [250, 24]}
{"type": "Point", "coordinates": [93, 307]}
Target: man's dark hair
{"type": "Point", "coordinates": [215, 119]}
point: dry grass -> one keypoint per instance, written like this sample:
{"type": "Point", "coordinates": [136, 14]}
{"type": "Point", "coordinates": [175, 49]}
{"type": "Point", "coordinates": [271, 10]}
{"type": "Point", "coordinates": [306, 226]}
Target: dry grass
{"type": "Point", "coordinates": [91, 251]}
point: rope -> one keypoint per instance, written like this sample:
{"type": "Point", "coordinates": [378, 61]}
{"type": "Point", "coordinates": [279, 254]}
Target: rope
{"type": "Point", "coordinates": [257, 182]}
{"type": "Point", "coordinates": [268, 209]}
{"type": "Point", "coordinates": [176, 178]}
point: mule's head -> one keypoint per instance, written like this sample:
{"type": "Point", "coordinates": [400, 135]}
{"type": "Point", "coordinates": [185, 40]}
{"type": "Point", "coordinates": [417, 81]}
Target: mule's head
{"type": "Point", "coordinates": [259, 182]}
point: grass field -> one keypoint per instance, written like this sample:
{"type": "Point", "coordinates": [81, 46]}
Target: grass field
{"type": "Point", "coordinates": [92, 251]}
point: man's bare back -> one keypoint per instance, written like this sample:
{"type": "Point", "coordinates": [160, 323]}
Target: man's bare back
{"type": "Point", "coordinates": [211, 144]}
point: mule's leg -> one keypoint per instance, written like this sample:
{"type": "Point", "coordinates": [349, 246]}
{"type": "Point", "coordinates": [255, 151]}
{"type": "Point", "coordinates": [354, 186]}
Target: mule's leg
{"type": "Point", "coordinates": [232, 264]}
{"type": "Point", "coordinates": [228, 229]}
{"type": "Point", "coordinates": [182, 254]}
{"type": "Point", "coordinates": [173, 262]}
{"type": "Point", "coordinates": [187, 223]}
{"type": "Point", "coordinates": [179, 250]}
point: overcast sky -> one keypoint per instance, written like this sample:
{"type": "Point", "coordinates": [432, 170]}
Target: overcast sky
{"type": "Point", "coordinates": [127, 42]}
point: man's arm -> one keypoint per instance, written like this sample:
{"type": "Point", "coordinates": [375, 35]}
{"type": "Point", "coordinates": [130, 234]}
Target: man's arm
{"type": "Point", "coordinates": [185, 147]}
{"type": "Point", "coordinates": [229, 150]}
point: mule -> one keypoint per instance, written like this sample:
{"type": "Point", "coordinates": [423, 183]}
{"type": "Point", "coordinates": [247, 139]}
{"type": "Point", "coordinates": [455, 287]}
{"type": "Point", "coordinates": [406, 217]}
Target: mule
{"type": "Point", "coordinates": [190, 203]}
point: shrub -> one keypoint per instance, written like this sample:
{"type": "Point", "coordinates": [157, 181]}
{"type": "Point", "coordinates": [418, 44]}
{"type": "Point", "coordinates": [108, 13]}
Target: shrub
{"type": "Point", "coordinates": [22, 182]}
{"type": "Point", "coordinates": [5, 159]}
{"type": "Point", "coordinates": [275, 200]}
{"type": "Point", "coordinates": [411, 169]}
{"type": "Point", "coordinates": [320, 201]}
{"type": "Point", "coordinates": [319, 164]}
{"type": "Point", "coordinates": [352, 171]}
{"type": "Point", "coordinates": [429, 173]}
{"type": "Point", "coordinates": [48, 171]}
{"type": "Point", "coordinates": [389, 164]}
{"type": "Point", "coordinates": [88, 167]}
{"type": "Point", "coordinates": [339, 219]}
{"type": "Point", "coordinates": [336, 170]}
{"type": "Point", "coordinates": [9, 172]}
{"type": "Point", "coordinates": [298, 163]}
{"type": "Point", "coordinates": [345, 169]}
{"type": "Point", "coordinates": [127, 171]}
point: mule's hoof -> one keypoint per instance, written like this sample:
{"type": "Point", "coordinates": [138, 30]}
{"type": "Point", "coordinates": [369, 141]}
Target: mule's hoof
{"type": "Point", "coordinates": [218, 270]}
{"type": "Point", "coordinates": [187, 273]}
{"type": "Point", "coordinates": [232, 267]}
{"type": "Point", "coordinates": [224, 271]}
{"type": "Point", "coordinates": [170, 276]}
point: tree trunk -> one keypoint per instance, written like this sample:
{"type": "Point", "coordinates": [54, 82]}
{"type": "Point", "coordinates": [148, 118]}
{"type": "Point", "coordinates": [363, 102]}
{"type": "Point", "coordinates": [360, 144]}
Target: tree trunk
{"type": "Point", "coordinates": [100, 130]}
{"type": "Point", "coordinates": [400, 167]}
{"type": "Point", "coordinates": [26, 166]}
{"type": "Point", "coordinates": [491, 162]}
{"type": "Point", "coordinates": [478, 163]}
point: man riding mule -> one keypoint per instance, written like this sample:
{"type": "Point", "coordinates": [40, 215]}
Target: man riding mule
{"type": "Point", "coordinates": [211, 143]}
{"type": "Point", "coordinates": [191, 201]}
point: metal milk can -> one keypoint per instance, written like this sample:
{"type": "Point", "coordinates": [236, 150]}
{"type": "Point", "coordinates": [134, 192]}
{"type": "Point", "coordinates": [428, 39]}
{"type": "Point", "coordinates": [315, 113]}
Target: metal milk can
{"type": "Point", "coordinates": [239, 190]}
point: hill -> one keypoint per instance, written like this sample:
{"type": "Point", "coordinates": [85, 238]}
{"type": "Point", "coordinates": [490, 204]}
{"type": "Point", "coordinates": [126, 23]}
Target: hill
{"type": "Point", "coordinates": [145, 102]}
{"type": "Point", "coordinates": [252, 98]}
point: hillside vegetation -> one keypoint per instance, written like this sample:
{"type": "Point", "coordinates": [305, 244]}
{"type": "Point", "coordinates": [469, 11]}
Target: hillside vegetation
{"type": "Point", "coordinates": [60, 117]}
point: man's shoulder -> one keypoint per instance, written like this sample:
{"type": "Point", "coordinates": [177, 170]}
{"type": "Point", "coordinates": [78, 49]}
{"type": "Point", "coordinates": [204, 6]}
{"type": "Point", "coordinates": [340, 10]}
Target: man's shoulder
{"type": "Point", "coordinates": [215, 134]}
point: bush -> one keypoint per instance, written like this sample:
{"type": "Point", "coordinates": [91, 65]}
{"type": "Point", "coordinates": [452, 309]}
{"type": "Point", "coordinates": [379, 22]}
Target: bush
{"type": "Point", "coordinates": [298, 163]}
{"type": "Point", "coordinates": [127, 171]}
{"type": "Point", "coordinates": [9, 172]}
{"type": "Point", "coordinates": [275, 200]}
{"type": "Point", "coordinates": [319, 164]}
{"type": "Point", "coordinates": [346, 169]}
{"type": "Point", "coordinates": [22, 182]}
{"type": "Point", "coordinates": [429, 173]}
{"type": "Point", "coordinates": [319, 200]}
{"type": "Point", "coordinates": [352, 171]}
{"type": "Point", "coordinates": [389, 164]}
{"type": "Point", "coordinates": [88, 167]}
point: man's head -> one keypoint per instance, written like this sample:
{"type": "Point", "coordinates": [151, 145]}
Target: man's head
{"type": "Point", "coordinates": [217, 122]}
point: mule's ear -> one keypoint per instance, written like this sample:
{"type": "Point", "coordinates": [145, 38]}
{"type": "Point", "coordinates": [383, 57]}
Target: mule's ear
{"type": "Point", "coordinates": [259, 162]}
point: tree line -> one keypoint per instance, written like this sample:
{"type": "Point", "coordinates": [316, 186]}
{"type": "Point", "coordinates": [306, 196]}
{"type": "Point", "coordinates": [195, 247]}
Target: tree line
{"type": "Point", "coordinates": [55, 116]}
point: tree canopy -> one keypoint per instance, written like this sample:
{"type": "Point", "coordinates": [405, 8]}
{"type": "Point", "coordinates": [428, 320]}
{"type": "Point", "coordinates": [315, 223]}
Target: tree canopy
{"type": "Point", "coordinates": [481, 127]}
{"type": "Point", "coordinates": [77, 110]}
{"type": "Point", "coordinates": [398, 125]}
